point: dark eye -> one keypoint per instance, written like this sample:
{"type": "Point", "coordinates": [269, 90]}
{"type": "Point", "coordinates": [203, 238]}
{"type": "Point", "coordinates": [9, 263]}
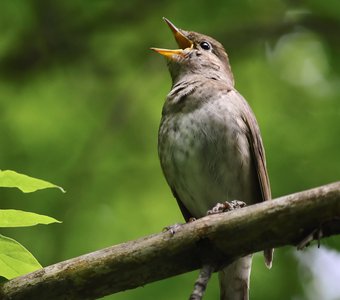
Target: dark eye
{"type": "Point", "coordinates": [205, 45]}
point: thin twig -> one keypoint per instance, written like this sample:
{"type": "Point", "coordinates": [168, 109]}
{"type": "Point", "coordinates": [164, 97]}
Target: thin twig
{"type": "Point", "coordinates": [202, 282]}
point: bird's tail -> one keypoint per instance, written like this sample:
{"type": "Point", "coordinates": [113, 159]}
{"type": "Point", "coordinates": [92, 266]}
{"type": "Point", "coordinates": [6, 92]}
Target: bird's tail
{"type": "Point", "coordinates": [268, 257]}
{"type": "Point", "coordinates": [234, 280]}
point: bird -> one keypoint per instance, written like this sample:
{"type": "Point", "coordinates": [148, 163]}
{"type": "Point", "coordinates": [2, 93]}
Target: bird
{"type": "Point", "coordinates": [209, 142]}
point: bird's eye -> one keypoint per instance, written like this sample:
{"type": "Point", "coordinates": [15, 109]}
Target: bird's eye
{"type": "Point", "coordinates": [205, 45]}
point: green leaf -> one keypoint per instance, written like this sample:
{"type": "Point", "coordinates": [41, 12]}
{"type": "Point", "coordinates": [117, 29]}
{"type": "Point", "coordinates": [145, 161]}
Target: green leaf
{"type": "Point", "coordinates": [19, 218]}
{"type": "Point", "coordinates": [23, 182]}
{"type": "Point", "coordinates": [15, 259]}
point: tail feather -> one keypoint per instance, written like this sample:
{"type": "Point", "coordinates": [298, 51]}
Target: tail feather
{"type": "Point", "coordinates": [268, 257]}
{"type": "Point", "coordinates": [234, 280]}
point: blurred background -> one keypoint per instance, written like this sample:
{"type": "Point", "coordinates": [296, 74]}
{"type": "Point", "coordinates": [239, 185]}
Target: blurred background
{"type": "Point", "coordinates": [80, 104]}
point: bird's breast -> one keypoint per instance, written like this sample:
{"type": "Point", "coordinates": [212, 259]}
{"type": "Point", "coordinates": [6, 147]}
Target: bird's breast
{"type": "Point", "coordinates": [204, 154]}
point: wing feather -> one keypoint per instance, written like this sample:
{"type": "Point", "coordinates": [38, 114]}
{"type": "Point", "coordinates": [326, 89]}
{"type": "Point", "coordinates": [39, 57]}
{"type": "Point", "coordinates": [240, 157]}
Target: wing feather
{"type": "Point", "coordinates": [259, 158]}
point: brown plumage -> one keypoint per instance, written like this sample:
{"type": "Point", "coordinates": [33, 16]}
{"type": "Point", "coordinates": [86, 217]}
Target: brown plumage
{"type": "Point", "coordinates": [210, 146]}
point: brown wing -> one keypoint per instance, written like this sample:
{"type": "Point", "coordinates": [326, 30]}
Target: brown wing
{"type": "Point", "coordinates": [257, 151]}
{"type": "Point", "coordinates": [259, 158]}
{"type": "Point", "coordinates": [186, 214]}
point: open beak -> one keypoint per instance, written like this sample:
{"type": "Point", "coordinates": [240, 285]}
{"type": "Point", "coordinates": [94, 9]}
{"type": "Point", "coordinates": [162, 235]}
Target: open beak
{"type": "Point", "coordinates": [182, 41]}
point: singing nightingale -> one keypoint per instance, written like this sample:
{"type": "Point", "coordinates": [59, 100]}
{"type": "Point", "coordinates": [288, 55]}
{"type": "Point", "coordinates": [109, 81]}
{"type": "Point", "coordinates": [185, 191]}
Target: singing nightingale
{"type": "Point", "coordinates": [209, 142]}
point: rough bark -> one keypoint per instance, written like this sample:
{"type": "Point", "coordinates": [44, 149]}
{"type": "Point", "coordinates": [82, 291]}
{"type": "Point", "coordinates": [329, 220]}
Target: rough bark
{"type": "Point", "coordinates": [216, 238]}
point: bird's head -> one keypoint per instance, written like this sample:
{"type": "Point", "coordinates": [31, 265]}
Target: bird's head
{"type": "Point", "coordinates": [198, 54]}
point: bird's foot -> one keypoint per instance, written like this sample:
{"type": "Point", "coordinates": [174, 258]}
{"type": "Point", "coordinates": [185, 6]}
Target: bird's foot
{"type": "Point", "coordinates": [175, 227]}
{"type": "Point", "coordinates": [226, 206]}
{"type": "Point", "coordinates": [172, 228]}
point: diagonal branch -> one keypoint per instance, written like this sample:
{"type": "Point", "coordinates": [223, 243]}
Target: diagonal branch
{"type": "Point", "coordinates": [215, 238]}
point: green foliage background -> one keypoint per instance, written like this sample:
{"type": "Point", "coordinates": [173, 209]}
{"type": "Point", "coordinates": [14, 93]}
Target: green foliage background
{"type": "Point", "coordinates": [80, 102]}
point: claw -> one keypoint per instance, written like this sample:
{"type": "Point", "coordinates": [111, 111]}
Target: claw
{"type": "Point", "coordinates": [172, 228]}
{"type": "Point", "coordinates": [226, 206]}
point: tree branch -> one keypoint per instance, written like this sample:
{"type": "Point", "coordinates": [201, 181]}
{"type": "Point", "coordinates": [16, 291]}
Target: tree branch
{"type": "Point", "coordinates": [216, 238]}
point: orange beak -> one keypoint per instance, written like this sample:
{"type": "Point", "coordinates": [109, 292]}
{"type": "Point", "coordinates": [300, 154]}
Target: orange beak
{"type": "Point", "coordinates": [182, 41]}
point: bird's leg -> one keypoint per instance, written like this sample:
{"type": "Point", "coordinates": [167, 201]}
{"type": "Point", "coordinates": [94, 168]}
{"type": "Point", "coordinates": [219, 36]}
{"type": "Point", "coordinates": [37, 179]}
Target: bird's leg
{"type": "Point", "coordinates": [217, 209]}
{"type": "Point", "coordinates": [226, 206]}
